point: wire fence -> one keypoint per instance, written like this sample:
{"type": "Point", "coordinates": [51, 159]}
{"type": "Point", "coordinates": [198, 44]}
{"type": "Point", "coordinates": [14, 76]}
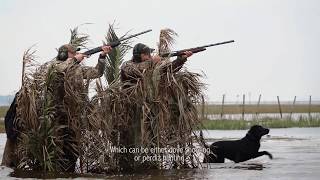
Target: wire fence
{"type": "Point", "coordinates": [260, 109]}
{"type": "Point", "coordinates": [262, 102]}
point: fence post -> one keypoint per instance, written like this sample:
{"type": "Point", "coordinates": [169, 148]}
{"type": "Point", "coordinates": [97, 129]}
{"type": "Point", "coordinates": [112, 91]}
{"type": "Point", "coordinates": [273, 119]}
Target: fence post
{"type": "Point", "coordinates": [279, 107]}
{"type": "Point", "coordinates": [310, 108]}
{"type": "Point", "coordinates": [258, 105]}
{"type": "Point", "coordinates": [292, 107]}
{"type": "Point", "coordinates": [223, 96]}
{"type": "Point", "coordinates": [243, 104]}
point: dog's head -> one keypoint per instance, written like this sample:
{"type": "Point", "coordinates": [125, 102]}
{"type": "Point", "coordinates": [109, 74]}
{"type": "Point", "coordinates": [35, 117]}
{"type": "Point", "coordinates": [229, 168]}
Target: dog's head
{"type": "Point", "coordinates": [257, 131]}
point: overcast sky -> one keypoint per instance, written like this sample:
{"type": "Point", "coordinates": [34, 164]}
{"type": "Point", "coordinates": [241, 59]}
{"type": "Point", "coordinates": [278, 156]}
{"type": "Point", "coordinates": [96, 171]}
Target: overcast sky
{"type": "Point", "coordinates": [276, 52]}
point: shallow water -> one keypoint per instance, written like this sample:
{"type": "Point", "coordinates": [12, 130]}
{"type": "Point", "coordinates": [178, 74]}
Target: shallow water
{"type": "Point", "coordinates": [296, 153]}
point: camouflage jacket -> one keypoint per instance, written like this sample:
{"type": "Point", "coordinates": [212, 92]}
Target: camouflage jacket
{"type": "Point", "coordinates": [82, 72]}
{"type": "Point", "coordinates": [70, 76]}
{"type": "Point", "coordinates": [132, 70]}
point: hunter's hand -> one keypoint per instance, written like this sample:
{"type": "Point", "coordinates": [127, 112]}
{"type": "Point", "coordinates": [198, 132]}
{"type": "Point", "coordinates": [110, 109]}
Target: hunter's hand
{"type": "Point", "coordinates": [156, 58]}
{"type": "Point", "coordinates": [106, 50]}
{"type": "Point", "coordinates": [80, 56]}
{"type": "Point", "coordinates": [186, 54]}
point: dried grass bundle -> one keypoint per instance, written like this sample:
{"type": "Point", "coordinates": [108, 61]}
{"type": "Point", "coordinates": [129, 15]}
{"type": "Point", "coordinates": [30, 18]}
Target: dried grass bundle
{"type": "Point", "coordinates": [166, 40]}
{"type": "Point", "coordinates": [50, 105]}
{"type": "Point", "coordinates": [36, 146]}
{"type": "Point", "coordinates": [156, 110]}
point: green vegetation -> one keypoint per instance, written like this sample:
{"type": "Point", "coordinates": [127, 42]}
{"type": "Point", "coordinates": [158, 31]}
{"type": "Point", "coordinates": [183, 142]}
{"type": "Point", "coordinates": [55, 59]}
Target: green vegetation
{"type": "Point", "coordinates": [270, 123]}
{"type": "Point", "coordinates": [228, 124]}
{"type": "Point", "coordinates": [263, 108]}
{"type": "Point", "coordinates": [2, 128]}
{"type": "Point", "coordinates": [3, 111]}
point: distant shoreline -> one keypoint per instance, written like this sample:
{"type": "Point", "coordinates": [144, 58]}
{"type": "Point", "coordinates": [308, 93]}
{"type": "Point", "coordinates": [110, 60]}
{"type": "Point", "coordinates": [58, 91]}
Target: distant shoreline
{"type": "Point", "coordinates": [270, 123]}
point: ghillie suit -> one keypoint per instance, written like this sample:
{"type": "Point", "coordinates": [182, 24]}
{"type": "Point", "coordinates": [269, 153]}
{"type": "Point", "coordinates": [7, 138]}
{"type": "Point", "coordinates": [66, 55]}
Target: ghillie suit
{"type": "Point", "coordinates": [154, 110]}
{"type": "Point", "coordinates": [58, 124]}
{"type": "Point", "coordinates": [50, 108]}
{"type": "Point", "coordinates": [12, 120]}
{"type": "Point", "coordinates": [96, 144]}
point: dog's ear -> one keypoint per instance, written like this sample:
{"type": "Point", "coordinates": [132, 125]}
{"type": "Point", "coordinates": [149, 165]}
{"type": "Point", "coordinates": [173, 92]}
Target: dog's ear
{"type": "Point", "coordinates": [255, 131]}
{"type": "Point", "coordinates": [252, 130]}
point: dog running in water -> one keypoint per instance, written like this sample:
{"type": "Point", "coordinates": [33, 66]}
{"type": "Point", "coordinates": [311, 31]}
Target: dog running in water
{"type": "Point", "coordinates": [238, 150]}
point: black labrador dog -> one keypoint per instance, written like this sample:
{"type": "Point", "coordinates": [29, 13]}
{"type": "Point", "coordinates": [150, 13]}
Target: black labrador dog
{"type": "Point", "coordinates": [238, 150]}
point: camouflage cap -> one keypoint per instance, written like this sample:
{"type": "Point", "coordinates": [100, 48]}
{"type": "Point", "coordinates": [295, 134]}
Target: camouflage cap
{"type": "Point", "coordinates": [68, 48]}
{"type": "Point", "coordinates": [63, 51]}
{"type": "Point", "coordinates": [141, 49]}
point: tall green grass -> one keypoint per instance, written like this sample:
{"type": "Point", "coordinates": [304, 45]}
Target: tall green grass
{"type": "Point", "coordinates": [2, 128]}
{"type": "Point", "coordinates": [3, 111]}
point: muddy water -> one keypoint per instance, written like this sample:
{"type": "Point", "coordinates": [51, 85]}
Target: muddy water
{"type": "Point", "coordinates": [296, 154]}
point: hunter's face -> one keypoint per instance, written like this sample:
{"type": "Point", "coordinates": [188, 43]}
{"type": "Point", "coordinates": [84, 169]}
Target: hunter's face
{"type": "Point", "coordinates": [145, 57]}
{"type": "Point", "coordinates": [71, 54]}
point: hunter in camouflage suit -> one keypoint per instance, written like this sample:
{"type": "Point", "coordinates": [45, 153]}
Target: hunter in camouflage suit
{"type": "Point", "coordinates": [75, 74]}
{"type": "Point", "coordinates": [68, 72]}
{"type": "Point", "coordinates": [142, 60]}
{"type": "Point", "coordinates": [133, 71]}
